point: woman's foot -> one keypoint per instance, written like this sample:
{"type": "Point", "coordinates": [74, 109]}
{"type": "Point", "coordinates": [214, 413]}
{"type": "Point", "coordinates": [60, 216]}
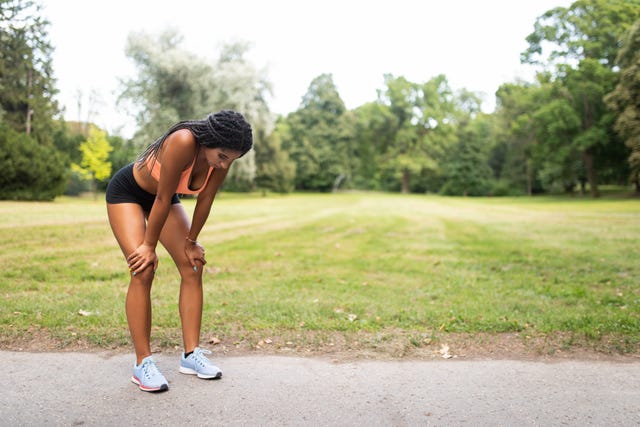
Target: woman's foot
{"type": "Point", "coordinates": [198, 364]}
{"type": "Point", "coordinates": [148, 376]}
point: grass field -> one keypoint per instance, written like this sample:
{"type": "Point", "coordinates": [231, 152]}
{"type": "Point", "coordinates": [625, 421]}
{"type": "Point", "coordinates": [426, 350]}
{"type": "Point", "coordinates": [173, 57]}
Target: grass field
{"type": "Point", "coordinates": [372, 273]}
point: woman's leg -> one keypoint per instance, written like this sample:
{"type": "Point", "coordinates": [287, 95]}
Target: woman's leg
{"type": "Point", "coordinates": [128, 224]}
{"type": "Point", "coordinates": [172, 237]}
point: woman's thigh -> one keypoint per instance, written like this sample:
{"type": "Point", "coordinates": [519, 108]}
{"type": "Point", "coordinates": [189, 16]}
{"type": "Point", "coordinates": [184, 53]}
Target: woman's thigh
{"type": "Point", "coordinates": [173, 236]}
{"type": "Point", "coordinates": [127, 221]}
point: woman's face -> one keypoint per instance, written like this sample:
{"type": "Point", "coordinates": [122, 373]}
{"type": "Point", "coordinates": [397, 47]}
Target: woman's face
{"type": "Point", "coordinates": [220, 158]}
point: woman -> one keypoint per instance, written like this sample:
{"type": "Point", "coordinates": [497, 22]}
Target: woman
{"type": "Point", "coordinates": [193, 157]}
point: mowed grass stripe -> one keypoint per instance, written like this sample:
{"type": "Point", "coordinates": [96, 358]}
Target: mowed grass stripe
{"type": "Point", "coordinates": [316, 265]}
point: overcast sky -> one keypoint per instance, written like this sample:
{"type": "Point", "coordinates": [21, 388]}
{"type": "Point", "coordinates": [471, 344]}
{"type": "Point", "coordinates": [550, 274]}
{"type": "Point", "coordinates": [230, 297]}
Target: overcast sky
{"type": "Point", "coordinates": [476, 44]}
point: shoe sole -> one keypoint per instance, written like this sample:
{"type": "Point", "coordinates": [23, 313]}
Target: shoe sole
{"type": "Point", "coordinates": [190, 371]}
{"type": "Point", "coordinates": [163, 387]}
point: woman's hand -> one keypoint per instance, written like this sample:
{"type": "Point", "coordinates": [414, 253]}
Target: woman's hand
{"type": "Point", "coordinates": [144, 256]}
{"type": "Point", "coordinates": [195, 253]}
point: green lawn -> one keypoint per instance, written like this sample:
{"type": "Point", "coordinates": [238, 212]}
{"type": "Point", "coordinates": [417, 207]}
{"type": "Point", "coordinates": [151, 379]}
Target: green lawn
{"type": "Point", "coordinates": [362, 271]}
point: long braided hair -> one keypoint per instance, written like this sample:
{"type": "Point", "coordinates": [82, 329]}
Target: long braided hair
{"type": "Point", "coordinates": [224, 129]}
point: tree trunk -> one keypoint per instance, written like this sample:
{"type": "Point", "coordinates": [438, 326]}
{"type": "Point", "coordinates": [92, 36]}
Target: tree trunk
{"type": "Point", "coordinates": [583, 185]}
{"type": "Point", "coordinates": [529, 178]}
{"type": "Point", "coordinates": [587, 157]}
{"type": "Point", "coordinates": [591, 173]}
{"type": "Point", "coordinates": [405, 181]}
{"type": "Point", "coordinates": [27, 125]}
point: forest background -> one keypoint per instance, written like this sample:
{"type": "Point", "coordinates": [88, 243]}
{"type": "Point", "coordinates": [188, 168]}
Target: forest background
{"type": "Point", "coordinates": [574, 128]}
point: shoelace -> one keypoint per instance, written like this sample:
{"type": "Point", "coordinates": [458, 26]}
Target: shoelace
{"type": "Point", "coordinates": [200, 358]}
{"type": "Point", "coordinates": [150, 369]}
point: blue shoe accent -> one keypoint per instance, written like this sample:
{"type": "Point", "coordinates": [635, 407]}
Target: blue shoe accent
{"type": "Point", "coordinates": [148, 376]}
{"type": "Point", "coordinates": [198, 364]}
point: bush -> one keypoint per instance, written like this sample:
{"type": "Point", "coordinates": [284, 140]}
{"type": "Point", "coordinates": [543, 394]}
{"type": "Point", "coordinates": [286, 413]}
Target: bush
{"type": "Point", "coordinates": [502, 188]}
{"type": "Point", "coordinates": [29, 170]}
{"type": "Point", "coordinates": [77, 184]}
{"type": "Point", "coordinates": [456, 188]}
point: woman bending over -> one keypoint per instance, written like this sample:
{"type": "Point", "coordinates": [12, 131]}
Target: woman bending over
{"type": "Point", "coordinates": [193, 157]}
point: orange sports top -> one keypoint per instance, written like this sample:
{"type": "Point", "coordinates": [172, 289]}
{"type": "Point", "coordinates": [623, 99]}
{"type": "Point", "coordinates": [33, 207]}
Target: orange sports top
{"type": "Point", "coordinates": [185, 177]}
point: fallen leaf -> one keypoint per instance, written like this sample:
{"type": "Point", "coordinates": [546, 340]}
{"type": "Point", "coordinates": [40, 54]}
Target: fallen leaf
{"type": "Point", "coordinates": [84, 312]}
{"type": "Point", "coordinates": [444, 351]}
{"type": "Point", "coordinates": [352, 317]}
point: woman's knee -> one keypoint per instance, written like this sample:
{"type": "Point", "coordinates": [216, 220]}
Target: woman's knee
{"type": "Point", "coordinates": [144, 277]}
{"type": "Point", "coordinates": [188, 272]}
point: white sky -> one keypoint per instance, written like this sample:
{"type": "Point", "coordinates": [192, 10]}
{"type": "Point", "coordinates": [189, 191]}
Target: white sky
{"type": "Point", "coordinates": [476, 44]}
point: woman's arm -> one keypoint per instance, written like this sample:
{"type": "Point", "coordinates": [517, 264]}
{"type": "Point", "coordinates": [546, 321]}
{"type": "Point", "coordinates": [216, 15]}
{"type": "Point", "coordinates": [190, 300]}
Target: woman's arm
{"type": "Point", "coordinates": [204, 202]}
{"type": "Point", "coordinates": [177, 153]}
{"type": "Point", "coordinates": [200, 214]}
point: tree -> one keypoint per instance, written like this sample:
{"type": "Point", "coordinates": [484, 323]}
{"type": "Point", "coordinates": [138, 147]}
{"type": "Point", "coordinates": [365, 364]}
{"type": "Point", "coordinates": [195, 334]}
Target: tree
{"type": "Point", "coordinates": [173, 85]}
{"type": "Point", "coordinates": [512, 153]}
{"type": "Point", "coordinates": [625, 100]}
{"type": "Point", "coordinates": [26, 75]}
{"type": "Point", "coordinates": [123, 152]}
{"type": "Point", "coordinates": [29, 170]}
{"type": "Point", "coordinates": [555, 123]}
{"type": "Point", "coordinates": [374, 128]}
{"type": "Point", "coordinates": [584, 40]}
{"type": "Point", "coordinates": [240, 86]}
{"type": "Point", "coordinates": [95, 165]}
{"type": "Point", "coordinates": [586, 29]}
{"type": "Point", "coordinates": [313, 138]}
{"type": "Point", "coordinates": [31, 167]}
{"type": "Point", "coordinates": [586, 86]}
{"type": "Point", "coordinates": [276, 172]}
{"type": "Point", "coordinates": [465, 166]}
{"type": "Point", "coordinates": [424, 127]}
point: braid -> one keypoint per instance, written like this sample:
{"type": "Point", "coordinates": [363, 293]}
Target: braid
{"type": "Point", "coordinates": [224, 129]}
{"type": "Point", "coordinates": [228, 129]}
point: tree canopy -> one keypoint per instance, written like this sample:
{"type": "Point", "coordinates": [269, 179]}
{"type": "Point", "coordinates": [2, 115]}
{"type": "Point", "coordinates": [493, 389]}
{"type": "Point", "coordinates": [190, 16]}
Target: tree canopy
{"type": "Point", "coordinates": [576, 126]}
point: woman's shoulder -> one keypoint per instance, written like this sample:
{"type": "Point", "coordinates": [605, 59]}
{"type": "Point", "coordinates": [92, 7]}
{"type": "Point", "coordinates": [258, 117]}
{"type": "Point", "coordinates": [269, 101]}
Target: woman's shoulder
{"type": "Point", "coordinates": [180, 146]}
{"type": "Point", "coordinates": [182, 136]}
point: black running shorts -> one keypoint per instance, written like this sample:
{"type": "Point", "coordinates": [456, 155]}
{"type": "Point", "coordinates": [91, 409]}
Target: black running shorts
{"type": "Point", "coordinates": [123, 188]}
